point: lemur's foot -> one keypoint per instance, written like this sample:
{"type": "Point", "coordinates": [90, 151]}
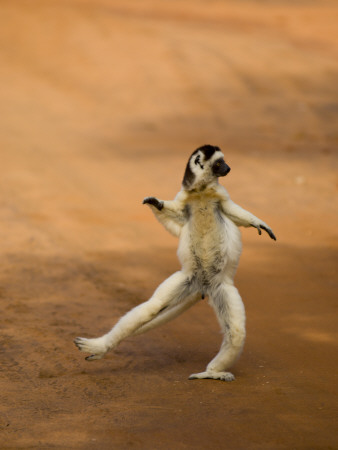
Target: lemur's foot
{"type": "Point", "coordinates": [96, 347]}
{"type": "Point", "coordinates": [224, 376]}
{"type": "Point", "coordinates": [154, 201]}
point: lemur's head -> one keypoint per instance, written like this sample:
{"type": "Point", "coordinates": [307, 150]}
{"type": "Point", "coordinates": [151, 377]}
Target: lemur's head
{"type": "Point", "coordinates": [205, 165]}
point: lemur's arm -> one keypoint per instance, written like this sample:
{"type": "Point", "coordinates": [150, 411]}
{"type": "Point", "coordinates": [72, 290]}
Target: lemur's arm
{"type": "Point", "coordinates": [170, 213]}
{"type": "Point", "coordinates": [241, 217]}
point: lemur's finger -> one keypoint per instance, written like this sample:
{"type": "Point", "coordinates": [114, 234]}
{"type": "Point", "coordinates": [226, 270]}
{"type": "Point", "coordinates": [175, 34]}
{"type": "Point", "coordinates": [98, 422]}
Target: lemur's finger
{"type": "Point", "coordinates": [153, 201]}
{"type": "Point", "coordinates": [258, 229]}
{"type": "Point", "coordinates": [270, 232]}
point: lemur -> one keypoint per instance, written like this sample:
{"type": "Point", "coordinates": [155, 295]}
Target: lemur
{"type": "Point", "coordinates": [206, 221]}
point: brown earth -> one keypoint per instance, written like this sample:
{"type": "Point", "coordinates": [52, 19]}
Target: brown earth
{"type": "Point", "coordinates": [102, 102]}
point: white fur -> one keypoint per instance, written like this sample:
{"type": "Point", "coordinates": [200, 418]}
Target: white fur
{"type": "Point", "coordinates": [206, 220]}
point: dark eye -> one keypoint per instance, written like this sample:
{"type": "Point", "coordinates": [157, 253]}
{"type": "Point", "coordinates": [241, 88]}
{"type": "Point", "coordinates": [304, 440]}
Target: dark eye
{"type": "Point", "coordinates": [218, 164]}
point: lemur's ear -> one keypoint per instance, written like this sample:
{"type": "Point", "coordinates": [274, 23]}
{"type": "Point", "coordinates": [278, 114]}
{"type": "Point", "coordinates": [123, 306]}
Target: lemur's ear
{"type": "Point", "coordinates": [198, 162]}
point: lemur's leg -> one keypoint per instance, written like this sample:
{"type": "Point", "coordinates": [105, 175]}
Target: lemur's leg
{"type": "Point", "coordinates": [230, 312]}
{"type": "Point", "coordinates": [169, 313]}
{"type": "Point", "coordinates": [171, 291]}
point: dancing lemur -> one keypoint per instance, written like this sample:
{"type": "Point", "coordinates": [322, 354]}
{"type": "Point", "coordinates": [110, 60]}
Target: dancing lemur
{"type": "Point", "coordinates": [206, 220]}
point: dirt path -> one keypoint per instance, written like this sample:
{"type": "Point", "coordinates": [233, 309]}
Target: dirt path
{"type": "Point", "coordinates": [101, 104]}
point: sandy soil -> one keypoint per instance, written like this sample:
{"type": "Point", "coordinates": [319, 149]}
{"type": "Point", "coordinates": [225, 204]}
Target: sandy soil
{"type": "Point", "coordinates": [102, 102]}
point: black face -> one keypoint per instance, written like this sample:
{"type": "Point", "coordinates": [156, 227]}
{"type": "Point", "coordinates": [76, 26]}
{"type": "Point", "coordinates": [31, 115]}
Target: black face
{"type": "Point", "coordinates": [220, 168]}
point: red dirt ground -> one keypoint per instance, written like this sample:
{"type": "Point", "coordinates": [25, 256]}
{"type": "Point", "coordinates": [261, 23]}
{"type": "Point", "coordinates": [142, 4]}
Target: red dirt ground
{"type": "Point", "coordinates": [101, 104]}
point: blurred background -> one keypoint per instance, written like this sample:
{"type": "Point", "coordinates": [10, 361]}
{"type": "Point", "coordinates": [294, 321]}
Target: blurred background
{"type": "Point", "coordinates": [101, 104]}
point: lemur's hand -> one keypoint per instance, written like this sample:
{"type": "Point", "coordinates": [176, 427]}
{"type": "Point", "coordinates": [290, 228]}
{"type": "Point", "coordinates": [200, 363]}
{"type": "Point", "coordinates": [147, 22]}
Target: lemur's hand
{"type": "Point", "coordinates": [154, 201]}
{"type": "Point", "coordinates": [263, 226]}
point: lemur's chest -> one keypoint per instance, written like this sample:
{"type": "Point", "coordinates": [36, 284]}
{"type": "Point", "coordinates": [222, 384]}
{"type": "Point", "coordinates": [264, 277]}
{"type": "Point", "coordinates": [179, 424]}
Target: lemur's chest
{"type": "Point", "coordinates": [204, 215]}
{"type": "Point", "coordinates": [206, 233]}
{"type": "Point", "coordinates": [206, 239]}
{"type": "Point", "coordinates": [205, 218]}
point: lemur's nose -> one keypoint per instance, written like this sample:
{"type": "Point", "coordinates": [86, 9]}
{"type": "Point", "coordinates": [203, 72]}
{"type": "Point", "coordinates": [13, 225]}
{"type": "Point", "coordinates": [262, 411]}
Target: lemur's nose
{"type": "Point", "coordinates": [220, 168]}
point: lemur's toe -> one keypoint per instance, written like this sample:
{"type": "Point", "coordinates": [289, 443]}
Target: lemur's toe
{"type": "Point", "coordinates": [95, 347]}
{"type": "Point", "coordinates": [78, 342]}
{"type": "Point", "coordinates": [270, 232]}
{"type": "Point", "coordinates": [94, 357]}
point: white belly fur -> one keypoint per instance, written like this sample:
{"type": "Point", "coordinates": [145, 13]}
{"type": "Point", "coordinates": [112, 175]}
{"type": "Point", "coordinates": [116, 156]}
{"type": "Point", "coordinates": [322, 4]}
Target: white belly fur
{"type": "Point", "coordinates": [210, 244]}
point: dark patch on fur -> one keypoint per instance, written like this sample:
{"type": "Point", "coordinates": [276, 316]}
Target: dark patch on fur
{"type": "Point", "coordinates": [187, 211]}
{"type": "Point", "coordinates": [220, 303]}
{"type": "Point", "coordinates": [189, 177]}
{"type": "Point", "coordinates": [189, 282]}
{"type": "Point", "coordinates": [198, 162]}
{"type": "Point", "coordinates": [218, 213]}
{"type": "Point", "coordinates": [208, 151]}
